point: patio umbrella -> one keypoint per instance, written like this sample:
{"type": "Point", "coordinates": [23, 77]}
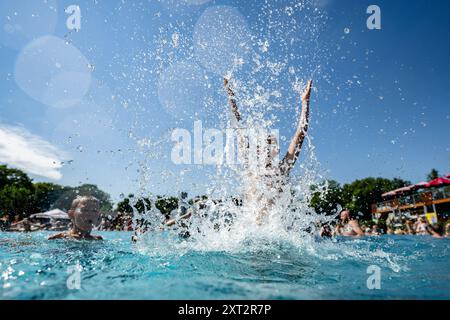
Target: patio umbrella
{"type": "Point", "coordinates": [398, 191]}
{"type": "Point", "coordinates": [439, 182]}
{"type": "Point", "coordinates": [421, 185]}
{"type": "Point", "coordinates": [52, 214]}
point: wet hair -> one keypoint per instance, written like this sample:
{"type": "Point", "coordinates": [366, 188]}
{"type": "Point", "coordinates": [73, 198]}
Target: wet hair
{"type": "Point", "coordinates": [350, 215]}
{"type": "Point", "coordinates": [81, 199]}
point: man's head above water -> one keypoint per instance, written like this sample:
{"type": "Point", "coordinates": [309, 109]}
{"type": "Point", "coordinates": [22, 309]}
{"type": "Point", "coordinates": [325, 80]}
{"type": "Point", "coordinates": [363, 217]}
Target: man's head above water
{"type": "Point", "coordinates": [345, 215]}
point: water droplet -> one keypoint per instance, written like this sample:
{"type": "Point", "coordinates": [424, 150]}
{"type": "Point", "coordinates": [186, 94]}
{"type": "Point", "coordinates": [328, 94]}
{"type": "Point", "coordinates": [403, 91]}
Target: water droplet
{"type": "Point", "coordinates": [175, 39]}
{"type": "Point", "coordinates": [289, 11]}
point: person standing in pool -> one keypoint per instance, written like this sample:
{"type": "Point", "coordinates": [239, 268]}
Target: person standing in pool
{"type": "Point", "coordinates": [5, 224]}
{"type": "Point", "coordinates": [271, 177]}
{"type": "Point", "coordinates": [85, 215]}
{"type": "Point", "coordinates": [423, 228]}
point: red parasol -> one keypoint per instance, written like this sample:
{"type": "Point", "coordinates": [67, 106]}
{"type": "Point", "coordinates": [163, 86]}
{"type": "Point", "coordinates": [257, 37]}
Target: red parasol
{"type": "Point", "coordinates": [439, 182]}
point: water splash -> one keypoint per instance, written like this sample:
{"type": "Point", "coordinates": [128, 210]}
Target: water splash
{"type": "Point", "coordinates": [269, 60]}
{"type": "Point", "coordinates": [268, 55]}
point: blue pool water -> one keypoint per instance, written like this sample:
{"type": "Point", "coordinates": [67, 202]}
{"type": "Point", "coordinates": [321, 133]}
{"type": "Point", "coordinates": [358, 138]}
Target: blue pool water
{"type": "Point", "coordinates": [410, 268]}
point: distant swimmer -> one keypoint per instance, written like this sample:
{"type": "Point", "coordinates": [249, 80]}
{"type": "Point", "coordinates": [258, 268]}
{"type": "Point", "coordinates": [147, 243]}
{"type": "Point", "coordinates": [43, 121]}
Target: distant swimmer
{"type": "Point", "coordinates": [423, 228]}
{"type": "Point", "coordinates": [447, 230]}
{"type": "Point", "coordinates": [348, 226]}
{"type": "Point", "coordinates": [263, 185]}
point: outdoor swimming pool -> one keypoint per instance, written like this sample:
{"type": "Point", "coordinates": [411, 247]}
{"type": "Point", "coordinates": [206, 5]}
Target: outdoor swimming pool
{"type": "Point", "coordinates": [410, 267]}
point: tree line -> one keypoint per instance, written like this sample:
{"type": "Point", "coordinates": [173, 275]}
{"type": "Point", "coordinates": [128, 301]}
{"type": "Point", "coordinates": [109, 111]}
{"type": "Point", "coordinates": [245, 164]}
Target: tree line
{"type": "Point", "coordinates": [357, 196]}
{"type": "Point", "coordinates": [20, 196]}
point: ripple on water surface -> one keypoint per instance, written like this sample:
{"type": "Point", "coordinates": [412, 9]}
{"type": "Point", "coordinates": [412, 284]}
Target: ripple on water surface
{"type": "Point", "coordinates": [411, 267]}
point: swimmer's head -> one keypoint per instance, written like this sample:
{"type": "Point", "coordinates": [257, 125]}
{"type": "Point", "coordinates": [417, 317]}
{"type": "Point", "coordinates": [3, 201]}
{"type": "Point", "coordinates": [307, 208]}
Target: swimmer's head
{"type": "Point", "coordinates": [345, 215]}
{"type": "Point", "coordinates": [85, 213]}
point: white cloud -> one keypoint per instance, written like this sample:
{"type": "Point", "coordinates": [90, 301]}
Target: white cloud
{"type": "Point", "coordinates": [23, 150]}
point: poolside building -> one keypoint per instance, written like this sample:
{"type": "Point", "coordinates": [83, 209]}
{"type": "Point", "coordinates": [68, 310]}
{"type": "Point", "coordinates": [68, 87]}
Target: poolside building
{"type": "Point", "coordinates": [430, 199]}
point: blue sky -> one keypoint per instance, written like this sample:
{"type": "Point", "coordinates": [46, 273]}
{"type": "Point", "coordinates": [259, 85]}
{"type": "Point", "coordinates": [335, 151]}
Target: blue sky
{"type": "Point", "coordinates": [99, 100]}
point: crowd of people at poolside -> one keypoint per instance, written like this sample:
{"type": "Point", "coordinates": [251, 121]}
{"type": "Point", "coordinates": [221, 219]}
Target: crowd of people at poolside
{"type": "Point", "coordinates": [120, 222]}
{"type": "Point", "coordinates": [85, 216]}
{"type": "Point", "coordinates": [349, 226]}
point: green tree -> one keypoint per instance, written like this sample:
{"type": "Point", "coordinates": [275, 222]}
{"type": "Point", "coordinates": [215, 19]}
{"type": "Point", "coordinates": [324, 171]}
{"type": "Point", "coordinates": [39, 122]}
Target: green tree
{"type": "Point", "coordinates": [14, 177]}
{"type": "Point", "coordinates": [16, 193]}
{"type": "Point", "coordinates": [124, 206]}
{"type": "Point", "coordinates": [68, 194]}
{"type": "Point", "coordinates": [20, 197]}
{"type": "Point", "coordinates": [16, 202]}
{"type": "Point", "coordinates": [46, 194]}
{"type": "Point", "coordinates": [359, 195]}
{"type": "Point", "coordinates": [326, 197]}
{"type": "Point", "coordinates": [166, 205]}
{"type": "Point", "coordinates": [141, 206]}
{"type": "Point", "coordinates": [434, 174]}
